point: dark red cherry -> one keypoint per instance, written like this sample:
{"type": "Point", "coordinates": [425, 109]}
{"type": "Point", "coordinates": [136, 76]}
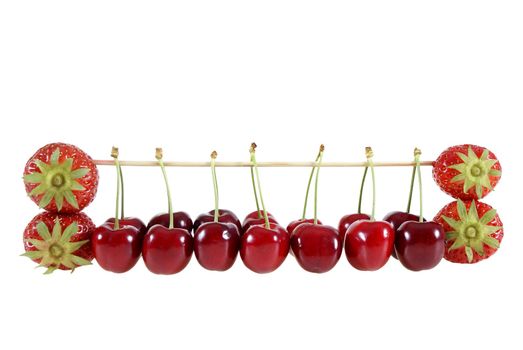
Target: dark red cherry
{"type": "Point", "coordinates": [348, 220]}
{"type": "Point", "coordinates": [116, 250]}
{"type": "Point", "coordinates": [131, 221]}
{"type": "Point", "coordinates": [167, 251]}
{"type": "Point", "coordinates": [293, 224]}
{"type": "Point", "coordinates": [181, 220]}
{"type": "Point", "coordinates": [420, 245]}
{"type": "Point", "coordinates": [224, 216]}
{"type": "Point", "coordinates": [317, 248]}
{"type": "Point", "coordinates": [396, 218]}
{"type": "Point", "coordinates": [216, 245]}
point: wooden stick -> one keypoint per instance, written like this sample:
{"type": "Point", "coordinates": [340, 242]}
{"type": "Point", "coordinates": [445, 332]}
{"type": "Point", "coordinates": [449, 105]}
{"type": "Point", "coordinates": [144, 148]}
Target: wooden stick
{"type": "Point", "coordinates": [262, 164]}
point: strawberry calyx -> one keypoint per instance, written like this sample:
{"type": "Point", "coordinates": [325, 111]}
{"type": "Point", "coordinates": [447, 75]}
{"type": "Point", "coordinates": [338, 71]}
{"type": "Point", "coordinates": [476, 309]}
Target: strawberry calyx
{"type": "Point", "coordinates": [475, 171]}
{"type": "Point", "coordinates": [471, 231]}
{"type": "Point", "coordinates": [56, 180]}
{"type": "Point", "coordinates": [56, 249]}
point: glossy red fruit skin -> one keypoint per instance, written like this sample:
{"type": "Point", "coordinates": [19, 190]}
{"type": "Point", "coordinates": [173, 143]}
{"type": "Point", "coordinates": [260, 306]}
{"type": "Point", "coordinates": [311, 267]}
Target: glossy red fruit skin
{"type": "Point", "coordinates": [443, 175]}
{"type": "Point", "coordinates": [369, 244]}
{"type": "Point", "coordinates": [167, 251]}
{"type": "Point", "coordinates": [419, 245]}
{"type": "Point", "coordinates": [348, 220]}
{"type": "Point", "coordinates": [216, 245]}
{"type": "Point", "coordinates": [293, 224]}
{"type": "Point", "coordinates": [131, 221]}
{"type": "Point", "coordinates": [254, 215]}
{"type": "Point", "coordinates": [224, 216]}
{"type": "Point", "coordinates": [248, 222]}
{"type": "Point", "coordinates": [80, 160]}
{"type": "Point", "coordinates": [116, 250]}
{"type": "Point", "coordinates": [317, 248]}
{"type": "Point", "coordinates": [396, 219]}
{"type": "Point", "coordinates": [181, 220]}
{"type": "Point", "coordinates": [458, 255]}
{"type": "Point", "coordinates": [85, 230]}
{"type": "Point", "coordinates": [263, 250]}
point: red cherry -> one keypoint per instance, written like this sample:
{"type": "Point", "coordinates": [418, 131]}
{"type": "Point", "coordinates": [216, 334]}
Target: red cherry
{"type": "Point", "coordinates": [348, 220]}
{"type": "Point", "coordinates": [216, 245]}
{"type": "Point", "coordinates": [293, 224]}
{"type": "Point", "coordinates": [116, 250]}
{"type": "Point", "coordinates": [255, 215]}
{"type": "Point", "coordinates": [369, 244]}
{"type": "Point", "coordinates": [181, 220]}
{"type": "Point", "coordinates": [264, 249]}
{"type": "Point", "coordinates": [317, 248]}
{"type": "Point", "coordinates": [420, 245]}
{"type": "Point", "coordinates": [224, 216]}
{"type": "Point", "coordinates": [167, 251]}
{"type": "Point", "coordinates": [396, 218]}
{"type": "Point", "coordinates": [130, 221]}
{"type": "Point", "coordinates": [252, 221]}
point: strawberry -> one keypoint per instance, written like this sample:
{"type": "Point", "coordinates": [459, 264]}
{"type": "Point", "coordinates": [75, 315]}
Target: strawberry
{"type": "Point", "coordinates": [59, 241]}
{"type": "Point", "coordinates": [467, 171]}
{"type": "Point", "coordinates": [61, 178]}
{"type": "Point", "coordinates": [473, 231]}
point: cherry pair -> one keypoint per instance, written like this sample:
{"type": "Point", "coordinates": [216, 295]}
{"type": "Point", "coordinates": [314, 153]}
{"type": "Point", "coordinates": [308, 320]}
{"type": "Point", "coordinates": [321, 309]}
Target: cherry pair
{"type": "Point", "coordinates": [419, 245]}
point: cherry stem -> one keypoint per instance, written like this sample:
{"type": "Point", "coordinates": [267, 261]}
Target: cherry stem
{"type": "Point", "coordinates": [255, 166]}
{"type": "Point", "coordinates": [122, 198]}
{"type": "Point", "coordinates": [159, 156]}
{"type": "Point", "coordinates": [214, 154]}
{"type": "Point", "coordinates": [417, 154]}
{"type": "Point", "coordinates": [369, 154]}
{"type": "Point", "coordinates": [253, 146]}
{"type": "Point", "coordinates": [361, 188]}
{"type": "Point", "coordinates": [316, 185]}
{"type": "Point", "coordinates": [411, 187]}
{"type": "Point", "coordinates": [114, 154]}
{"type": "Point", "coordinates": [309, 186]}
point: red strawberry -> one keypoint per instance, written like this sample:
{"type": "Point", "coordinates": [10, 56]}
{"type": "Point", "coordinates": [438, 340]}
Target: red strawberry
{"type": "Point", "coordinates": [467, 171]}
{"type": "Point", "coordinates": [59, 241]}
{"type": "Point", "coordinates": [61, 178]}
{"type": "Point", "coordinates": [473, 231]}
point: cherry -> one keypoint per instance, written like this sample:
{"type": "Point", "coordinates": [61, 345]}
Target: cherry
{"type": "Point", "coordinates": [348, 220]}
{"type": "Point", "coordinates": [167, 250]}
{"type": "Point", "coordinates": [180, 220]}
{"type": "Point", "coordinates": [131, 221]}
{"type": "Point", "coordinates": [369, 243]}
{"type": "Point", "coordinates": [317, 248]}
{"type": "Point", "coordinates": [248, 222]}
{"type": "Point", "coordinates": [225, 216]}
{"type": "Point", "coordinates": [264, 249]}
{"type": "Point", "coordinates": [419, 245]}
{"type": "Point", "coordinates": [396, 218]}
{"type": "Point", "coordinates": [216, 245]}
{"type": "Point", "coordinates": [293, 224]}
{"type": "Point", "coordinates": [217, 234]}
{"type": "Point", "coordinates": [116, 248]}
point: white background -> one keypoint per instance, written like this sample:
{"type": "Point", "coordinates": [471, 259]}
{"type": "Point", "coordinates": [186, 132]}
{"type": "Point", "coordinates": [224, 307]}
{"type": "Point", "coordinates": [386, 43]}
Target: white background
{"type": "Point", "coordinates": [193, 76]}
